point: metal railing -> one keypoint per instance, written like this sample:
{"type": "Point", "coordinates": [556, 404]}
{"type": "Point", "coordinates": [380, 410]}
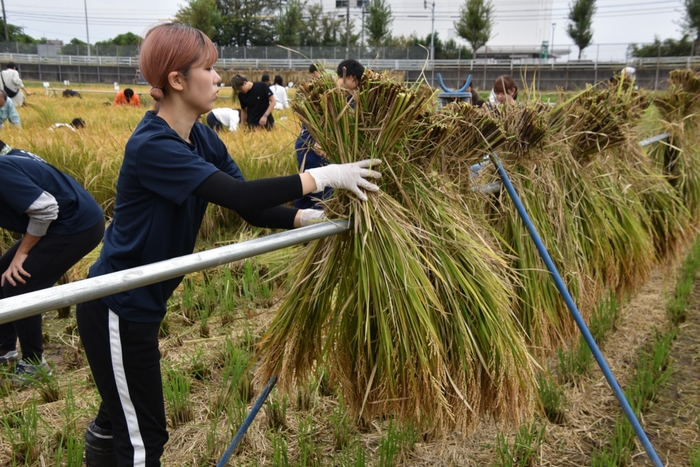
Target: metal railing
{"type": "Point", "coordinates": [29, 304]}
{"type": "Point", "coordinates": [378, 63]}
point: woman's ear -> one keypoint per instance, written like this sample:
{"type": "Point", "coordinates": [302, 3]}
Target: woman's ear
{"type": "Point", "coordinates": [176, 80]}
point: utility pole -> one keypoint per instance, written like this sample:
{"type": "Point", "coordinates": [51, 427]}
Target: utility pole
{"type": "Point", "coordinates": [362, 41]}
{"type": "Point", "coordinates": [431, 58]}
{"type": "Point", "coordinates": [87, 30]}
{"type": "Point", "coordinates": [347, 29]}
{"type": "Point", "coordinates": [4, 20]}
{"type": "Point", "coordinates": [551, 54]}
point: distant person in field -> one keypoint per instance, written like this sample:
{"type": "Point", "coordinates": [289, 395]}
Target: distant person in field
{"type": "Point", "coordinates": [60, 222]}
{"type": "Point", "coordinates": [8, 111]}
{"type": "Point", "coordinates": [75, 124]}
{"type": "Point", "coordinates": [127, 97]}
{"type": "Point", "coordinates": [265, 79]}
{"type": "Point", "coordinates": [257, 102]}
{"type": "Point", "coordinates": [12, 84]}
{"type": "Point", "coordinates": [280, 92]}
{"type": "Point", "coordinates": [222, 117]}
{"type": "Point", "coordinates": [505, 91]}
{"type": "Point", "coordinates": [172, 169]}
{"type": "Point", "coordinates": [313, 71]}
{"type": "Point", "coordinates": [309, 154]}
{"type": "Point", "coordinates": [476, 100]}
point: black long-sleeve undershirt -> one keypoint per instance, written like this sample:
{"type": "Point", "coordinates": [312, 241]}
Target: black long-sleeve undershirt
{"type": "Point", "coordinates": [256, 201]}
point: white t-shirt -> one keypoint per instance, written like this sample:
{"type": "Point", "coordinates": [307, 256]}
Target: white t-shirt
{"type": "Point", "coordinates": [14, 83]}
{"type": "Point", "coordinates": [280, 96]}
{"type": "Point", "coordinates": [228, 117]}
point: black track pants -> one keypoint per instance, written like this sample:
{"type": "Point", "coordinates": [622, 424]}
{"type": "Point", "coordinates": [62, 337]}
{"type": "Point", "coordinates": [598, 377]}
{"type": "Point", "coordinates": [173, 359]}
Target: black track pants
{"type": "Point", "coordinates": [125, 361]}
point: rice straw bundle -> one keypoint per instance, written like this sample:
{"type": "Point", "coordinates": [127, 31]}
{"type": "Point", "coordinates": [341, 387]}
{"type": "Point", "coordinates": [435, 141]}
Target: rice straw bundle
{"type": "Point", "coordinates": [412, 312]}
{"type": "Point", "coordinates": [667, 220]}
{"type": "Point", "coordinates": [600, 118]}
{"type": "Point", "coordinates": [542, 312]}
{"type": "Point", "coordinates": [475, 133]}
{"type": "Point", "coordinates": [679, 158]}
{"type": "Point", "coordinates": [524, 126]}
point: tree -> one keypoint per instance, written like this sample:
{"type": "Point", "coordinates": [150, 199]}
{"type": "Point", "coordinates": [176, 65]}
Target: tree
{"type": "Point", "coordinates": [475, 23]}
{"type": "Point", "coordinates": [453, 51]}
{"type": "Point", "coordinates": [128, 38]}
{"type": "Point", "coordinates": [692, 19]}
{"type": "Point", "coordinates": [313, 31]}
{"type": "Point", "coordinates": [289, 25]}
{"type": "Point", "coordinates": [378, 23]}
{"type": "Point", "coordinates": [667, 48]}
{"type": "Point", "coordinates": [247, 22]}
{"type": "Point", "coordinates": [15, 33]}
{"type": "Point", "coordinates": [580, 28]}
{"type": "Point", "coordinates": [74, 47]}
{"type": "Point", "coordinates": [333, 29]}
{"type": "Point", "coordinates": [203, 15]}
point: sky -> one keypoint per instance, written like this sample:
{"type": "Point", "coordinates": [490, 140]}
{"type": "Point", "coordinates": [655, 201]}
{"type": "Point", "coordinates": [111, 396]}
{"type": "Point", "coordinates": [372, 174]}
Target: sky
{"type": "Point", "coordinates": [617, 21]}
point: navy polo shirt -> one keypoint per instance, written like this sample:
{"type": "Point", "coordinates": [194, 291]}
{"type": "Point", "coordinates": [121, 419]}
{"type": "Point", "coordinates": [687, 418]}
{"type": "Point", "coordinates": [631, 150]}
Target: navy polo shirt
{"type": "Point", "coordinates": [24, 177]}
{"type": "Point", "coordinates": [156, 216]}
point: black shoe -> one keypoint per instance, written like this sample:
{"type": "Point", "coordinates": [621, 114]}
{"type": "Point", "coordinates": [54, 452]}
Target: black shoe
{"type": "Point", "coordinates": [99, 447]}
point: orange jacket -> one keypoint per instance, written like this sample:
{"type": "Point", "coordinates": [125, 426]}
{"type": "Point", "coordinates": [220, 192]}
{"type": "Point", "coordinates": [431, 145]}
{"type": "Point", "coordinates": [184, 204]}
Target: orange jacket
{"type": "Point", "coordinates": [121, 100]}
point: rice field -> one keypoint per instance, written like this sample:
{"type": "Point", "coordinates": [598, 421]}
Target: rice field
{"type": "Point", "coordinates": [441, 340]}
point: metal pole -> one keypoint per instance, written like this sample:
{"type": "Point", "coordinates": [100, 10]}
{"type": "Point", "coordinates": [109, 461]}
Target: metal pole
{"type": "Point", "coordinates": [597, 54]}
{"type": "Point", "coordinates": [33, 303]}
{"type": "Point", "coordinates": [551, 54]}
{"type": "Point", "coordinates": [87, 30]}
{"type": "Point", "coordinates": [432, 46]}
{"type": "Point", "coordinates": [575, 313]}
{"type": "Point", "coordinates": [362, 41]}
{"type": "Point", "coordinates": [248, 420]}
{"type": "Point", "coordinates": [4, 19]}
{"type": "Point", "coordinates": [658, 59]}
{"type": "Point", "coordinates": [347, 30]}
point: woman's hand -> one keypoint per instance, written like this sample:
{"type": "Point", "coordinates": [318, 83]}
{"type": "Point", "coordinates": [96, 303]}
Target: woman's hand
{"type": "Point", "coordinates": [351, 176]}
{"type": "Point", "coordinates": [16, 270]}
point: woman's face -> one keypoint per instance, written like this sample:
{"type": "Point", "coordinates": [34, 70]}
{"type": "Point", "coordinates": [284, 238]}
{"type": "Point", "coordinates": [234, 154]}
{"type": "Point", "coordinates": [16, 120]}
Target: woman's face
{"type": "Point", "coordinates": [202, 88]}
{"type": "Point", "coordinates": [505, 97]}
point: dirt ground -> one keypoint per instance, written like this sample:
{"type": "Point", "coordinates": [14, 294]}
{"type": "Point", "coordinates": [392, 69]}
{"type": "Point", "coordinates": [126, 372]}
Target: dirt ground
{"type": "Point", "coordinates": [592, 408]}
{"type": "Point", "coordinates": [591, 405]}
{"type": "Point", "coordinates": [671, 423]}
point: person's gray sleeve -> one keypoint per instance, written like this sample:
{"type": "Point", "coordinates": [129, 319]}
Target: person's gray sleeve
{"type": "Point", "coordinates": [42, 212]}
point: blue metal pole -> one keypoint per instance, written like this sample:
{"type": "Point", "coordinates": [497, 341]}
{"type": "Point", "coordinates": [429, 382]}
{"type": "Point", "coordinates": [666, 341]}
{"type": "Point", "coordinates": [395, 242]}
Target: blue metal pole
{"type": "Point", "coordinates": [575, 313]}
{"type": "Point", "coordinates": [248, 420]}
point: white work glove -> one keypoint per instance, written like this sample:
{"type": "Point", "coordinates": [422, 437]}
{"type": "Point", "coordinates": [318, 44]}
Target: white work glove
{"type": "Point", "coordinates": [311, 216]}
{"type": "Point", "coordinates": [349, 176]}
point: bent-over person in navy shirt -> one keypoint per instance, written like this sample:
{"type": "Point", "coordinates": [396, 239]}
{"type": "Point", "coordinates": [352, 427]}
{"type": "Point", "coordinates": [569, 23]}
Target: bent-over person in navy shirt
{"type": "Point", "coordinates": [60, 222]}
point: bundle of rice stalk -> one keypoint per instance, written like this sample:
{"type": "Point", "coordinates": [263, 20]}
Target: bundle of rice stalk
{"type": "Point", "coordinates": [679, 157]}
{"type": "Point", "coordinates": [524, 127]}
{"type": "Point", "coordinates": [474, 134]}
{"type": "Point", "coordinates": [489, 368]}
{"type": "Point", "coordinates": [683, 96]}
{"type": "Point", "coordinates": [541, 311]}
{"type": "Point", "coordinates": [667, 220]}
{"type": "Point", "coordinates": [529, 157]}
{"type": "Point", "coordinates": [599, 118]}
{"type": "Point", "coordinates": [411, 311]}
{"type": "Point", "coordinates": [610, 225]}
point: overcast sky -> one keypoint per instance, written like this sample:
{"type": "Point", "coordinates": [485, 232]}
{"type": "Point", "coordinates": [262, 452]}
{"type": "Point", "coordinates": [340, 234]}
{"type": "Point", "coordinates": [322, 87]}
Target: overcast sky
{"type": "Point", "coordinates": [620, 21]}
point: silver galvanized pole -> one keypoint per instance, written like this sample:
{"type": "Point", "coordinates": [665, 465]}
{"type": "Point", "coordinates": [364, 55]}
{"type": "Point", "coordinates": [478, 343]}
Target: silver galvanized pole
{"type": "Point", "coordinates": [22, 306]}
{"type": "Point", "coordinates": [654, 139]}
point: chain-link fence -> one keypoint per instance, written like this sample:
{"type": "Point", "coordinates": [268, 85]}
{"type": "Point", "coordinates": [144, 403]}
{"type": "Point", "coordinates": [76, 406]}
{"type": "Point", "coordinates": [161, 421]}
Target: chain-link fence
{"type": "Point", "coordinates": [549, 53]}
